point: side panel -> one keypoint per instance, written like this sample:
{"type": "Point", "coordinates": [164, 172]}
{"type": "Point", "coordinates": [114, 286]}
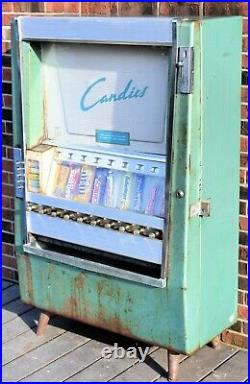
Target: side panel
{"type": "Point", "coordinates": [184, 231]}
{"type": "Point", "coordinates": [221, 79]}
{"type": "Point", "coordinates": [17, 131]}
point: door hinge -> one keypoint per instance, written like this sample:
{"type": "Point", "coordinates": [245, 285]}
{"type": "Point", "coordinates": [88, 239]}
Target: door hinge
{"type": "Point", "coordinates": [185, 65]}
{"type": "Point", "coordinates": [202, 209]}
{"type": "Point", "coordinates": [19, 172]}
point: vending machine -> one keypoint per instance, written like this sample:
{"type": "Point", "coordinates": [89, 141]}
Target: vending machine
{"type": "Point", "coordinates": [126, 159]}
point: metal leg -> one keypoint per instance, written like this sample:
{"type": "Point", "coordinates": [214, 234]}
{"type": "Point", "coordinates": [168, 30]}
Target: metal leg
{"type": "Point", "coordinates": [42, 323]}
{"type": "Point", "coordinates": [173, 365]}
{"type": "Point", "coordinates": [215, 343]}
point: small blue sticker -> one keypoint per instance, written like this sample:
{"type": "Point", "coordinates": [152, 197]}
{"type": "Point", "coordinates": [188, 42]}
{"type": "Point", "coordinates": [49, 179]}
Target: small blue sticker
{"type": "Point", "coordinates": [112, 137]}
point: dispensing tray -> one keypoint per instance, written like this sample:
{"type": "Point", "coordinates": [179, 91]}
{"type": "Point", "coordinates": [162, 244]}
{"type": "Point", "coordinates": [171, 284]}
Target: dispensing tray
{"type": "Point", "coordinates": [43, 250]}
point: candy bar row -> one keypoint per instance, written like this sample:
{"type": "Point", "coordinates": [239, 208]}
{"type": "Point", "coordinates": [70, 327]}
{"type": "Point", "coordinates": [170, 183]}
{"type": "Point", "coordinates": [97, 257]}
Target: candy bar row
{"type": "Point", "coordinates": [102, 186]}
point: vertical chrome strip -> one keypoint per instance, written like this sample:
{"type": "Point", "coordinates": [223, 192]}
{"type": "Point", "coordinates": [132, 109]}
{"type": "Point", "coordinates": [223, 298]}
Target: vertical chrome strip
{"type": "Point", "coordinates": [172, 87]}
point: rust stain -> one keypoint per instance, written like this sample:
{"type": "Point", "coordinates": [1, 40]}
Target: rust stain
{"type": "Point", "coordinates": [99, 289]}
{"type": "Point", "coordinates": [109, 323]}
{"type": "Point", "coordinates": [170, 229]}
{"type": "Point", "coordinates": [189, 164]}
{"type": "Point", "coordinates": [79, 281]}
{"type": "Point", "coordinates": [78, 308]}
{"type": "Point", "coordinates": [72, 305]}
{"type": "Point", "coordinates": [29, 278]}
{"type": "Point", "coordinates": [130, 300]}
{"type": "Point", "coordinates": [198, 22]}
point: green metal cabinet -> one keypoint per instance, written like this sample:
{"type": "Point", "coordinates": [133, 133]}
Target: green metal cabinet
{"type": "Point", "coordinates": [195, 298]}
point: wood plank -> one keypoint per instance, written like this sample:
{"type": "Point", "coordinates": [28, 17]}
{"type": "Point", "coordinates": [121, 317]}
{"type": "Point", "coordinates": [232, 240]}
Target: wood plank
{"type": "Point", "coordinates": [104, 369]}
{"type": "Point", "coordinates": [66, 366]}
{"type": "Point", "coordinates": [28, 341]}
{"type": "Point", "coordinates": [10, 294]}
{"type": "Point", "coordinates": [20, 324]}
{"type": "Point", "coordinates": [13, 309]}
{"type": "Point", "coordinates": [6, 284]}
{"type": "Point", "coordinates": [154, 366]}
{"type": "Point", "coordinates": [36, 359]}
{"type": "Point", "coordinates": [234, 369]}
{"type": "Point", "coordinates": [202, 362]}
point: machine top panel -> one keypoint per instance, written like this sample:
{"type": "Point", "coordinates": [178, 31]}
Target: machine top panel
{"type": "Point", "coordinates": [109, 30]}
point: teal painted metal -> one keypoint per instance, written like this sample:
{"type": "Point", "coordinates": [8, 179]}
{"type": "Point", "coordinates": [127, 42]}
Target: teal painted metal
{"type": "Point", "coordinates": [199, 300]}
{"type": "Point", "coordinates": [221, 66]}
{"type": "Point", "coordinates": [34, 108]}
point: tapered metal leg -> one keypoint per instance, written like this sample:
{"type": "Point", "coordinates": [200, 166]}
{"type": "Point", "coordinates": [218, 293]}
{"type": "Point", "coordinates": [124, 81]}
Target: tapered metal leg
{"type": "Point", "coordinates": [42, 323]}
{"type": "Point", "coordinates": [173, 365]}
{"type": "Point", "coordinates": [215, 343]}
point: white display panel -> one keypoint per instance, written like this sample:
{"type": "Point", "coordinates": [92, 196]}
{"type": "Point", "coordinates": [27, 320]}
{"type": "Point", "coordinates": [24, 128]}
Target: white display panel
{"type": "Point", "coordinates": [112, 94]}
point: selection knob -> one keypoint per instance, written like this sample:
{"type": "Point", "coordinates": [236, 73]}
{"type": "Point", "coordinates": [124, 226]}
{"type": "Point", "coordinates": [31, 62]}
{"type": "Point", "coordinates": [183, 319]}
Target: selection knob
{"type": "Point", "coordinates": [58, 213]}
{"type": "Point", "coordinates": [137, 230]}
{"type": "Point", "coordinates": [45, 210]}
{"type": "Point", "coordinates": [125, 227]}
{"type": "Point", "coordinates": [33, 207]}
{"type": "Point", "coordinates": [83, 219]}
{"type": "Point", "coordinates": [95, 220]}
{"type": "Point", "coordinates": [153, 233]}
{"type": "Point", "coordinates": [69, 215]}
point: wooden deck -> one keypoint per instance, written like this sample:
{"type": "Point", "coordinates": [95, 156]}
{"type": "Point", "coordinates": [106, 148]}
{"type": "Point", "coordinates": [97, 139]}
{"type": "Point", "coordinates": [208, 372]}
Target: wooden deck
{"type": "Point", "coordinates": [71, 351]}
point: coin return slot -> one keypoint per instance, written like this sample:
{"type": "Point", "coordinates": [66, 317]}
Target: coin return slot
{"type": "Point", "coordinates": [128, 228]}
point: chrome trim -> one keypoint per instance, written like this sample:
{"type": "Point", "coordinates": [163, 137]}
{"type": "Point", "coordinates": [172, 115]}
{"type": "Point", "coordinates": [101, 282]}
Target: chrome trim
{"type": "Point", "coordinates": [100, 30]}
{"type": "Point", "coordinates": [172, 86]}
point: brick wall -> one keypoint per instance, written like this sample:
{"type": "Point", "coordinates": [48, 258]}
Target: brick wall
{"type": "Point", "coordinates": [236, 335]}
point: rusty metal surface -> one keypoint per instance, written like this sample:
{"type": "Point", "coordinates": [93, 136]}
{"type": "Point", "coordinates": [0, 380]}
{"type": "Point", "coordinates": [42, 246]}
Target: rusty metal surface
{"type": "Point", "coordinates": [121, 306]}
{"type": "Point", "coordinates": [42, 323]}
{"type": "Point", "coordinates": [173, 365]}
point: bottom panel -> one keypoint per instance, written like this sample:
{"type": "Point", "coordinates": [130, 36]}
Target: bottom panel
{"type": "Point", "coordinates": [159, 316]}
{"type": "Point", "coordinates": [126, 307]}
